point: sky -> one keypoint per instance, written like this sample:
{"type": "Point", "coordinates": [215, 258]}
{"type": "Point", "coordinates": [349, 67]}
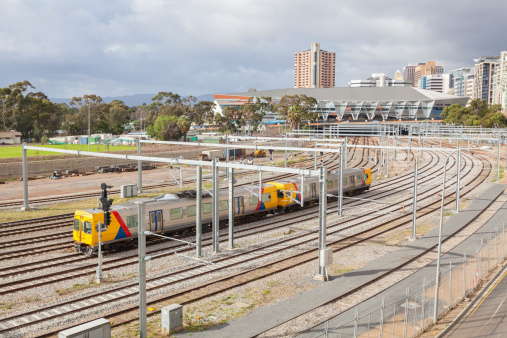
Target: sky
{"type": "Point", "coordinates": [195, 47]}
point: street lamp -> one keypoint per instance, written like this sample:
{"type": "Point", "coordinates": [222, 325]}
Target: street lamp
{"type": "Point", "coordinates": [437, 278]}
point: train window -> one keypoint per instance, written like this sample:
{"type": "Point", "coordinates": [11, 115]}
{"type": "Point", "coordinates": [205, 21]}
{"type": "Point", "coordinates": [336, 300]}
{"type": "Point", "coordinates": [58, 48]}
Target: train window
{"type": "Point", "coordinates": [176, 213]}
{"type": "Point", "coordinates": [191, 210]}
{"type": "Point", "coordinates": [266, 197]}
{"type": "Point", "coordinates": [280, 194]}
{"type": "Point", "coordinates": [223, 205]}
{"type": "Point", "coordinates": [329, 184]}
{"type": "Point", "coordinates": [87, 228]}
{"type": "Point", "coordinates": [207, 208]}
{"type": "Point", "coordinates": [359, 177]}
{"type": "Point", "coordinates": [253, 200]}
{"type": "Point", "coordinates": [132, 221]}
{"type": "Point", "coordinates": [152, 218]}
{"type": "Point", "coordinates": [76, 224]}
{"type": "Point", "coordinates": [304, 189]}
{"type": "Point", "coordinates": [365, 177]}
{"type": "Point", "coordinates": [345, 181]}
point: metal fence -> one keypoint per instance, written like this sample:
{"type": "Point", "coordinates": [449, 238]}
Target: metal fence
{"type": "Point", "coordinates": [412, 314]}
{"type": "Point", "coordinates": [36, 168]}
{"type": "Point", "coordinates": [83, 163]}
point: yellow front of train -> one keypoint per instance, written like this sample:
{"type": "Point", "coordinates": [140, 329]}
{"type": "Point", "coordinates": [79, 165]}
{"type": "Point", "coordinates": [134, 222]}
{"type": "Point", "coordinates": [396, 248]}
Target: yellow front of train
{"type": "Point", "coordinates": [84, 228]}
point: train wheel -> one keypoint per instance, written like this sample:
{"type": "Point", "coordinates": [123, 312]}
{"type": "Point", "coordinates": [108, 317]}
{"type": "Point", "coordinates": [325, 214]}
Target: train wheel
{"type": "Point", "coordinates": [89, 251]}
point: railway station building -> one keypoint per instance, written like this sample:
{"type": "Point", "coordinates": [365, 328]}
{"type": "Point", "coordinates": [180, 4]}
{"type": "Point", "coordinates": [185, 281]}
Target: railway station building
{"type": "Point", "coordinates": [344, 103]}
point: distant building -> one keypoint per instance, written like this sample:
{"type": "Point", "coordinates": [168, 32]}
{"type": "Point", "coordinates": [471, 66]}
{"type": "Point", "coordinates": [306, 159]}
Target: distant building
{"type": "Point", "coordinates": [428, 68]}
{"type": "Point", "coordinates": [314, 68]}
{"type": "Point", "coordinates": [500, 82]}
{"type": "Point", "coordinates": [378, 80]}
{"type": "Point", "coordinates": [483, 77]}
{"type": "Point", "coordinates": [441, 83]}
{"type": "Point", "coordinates": [414, 71]}
{"type": "Point", "coordinates": [398, 76]}
{"type": "Point", "coordinates": [10, 137]}
{"type": "Point", "coordinates": [463, 81]}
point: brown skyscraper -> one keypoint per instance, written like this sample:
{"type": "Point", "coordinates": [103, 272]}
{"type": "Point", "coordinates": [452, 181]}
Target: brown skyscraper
{"type": "Point", "coordinates": [314, 68]}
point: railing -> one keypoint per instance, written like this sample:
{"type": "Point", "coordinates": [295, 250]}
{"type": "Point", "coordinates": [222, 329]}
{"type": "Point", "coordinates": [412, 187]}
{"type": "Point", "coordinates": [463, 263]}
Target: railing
{"type": "Point", "coordinates": [412, 314]}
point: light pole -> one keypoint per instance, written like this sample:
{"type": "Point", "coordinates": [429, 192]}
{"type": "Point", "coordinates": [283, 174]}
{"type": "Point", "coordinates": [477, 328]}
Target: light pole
{"type": "Point", "coordinates": [437, 278]}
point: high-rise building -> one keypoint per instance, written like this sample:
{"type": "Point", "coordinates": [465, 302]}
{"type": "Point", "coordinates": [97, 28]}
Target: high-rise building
{"type": "Point", "coordinates": [484, 70]}
{"type": "Point", "coordinates": [314, 68]}
{"type": "Point", "coordinates": [413, 72]}
{"type": "Point", "coordinates": [463, 81]}
{"type": "Point", "coordinates": [500, 81]}
{"type": "Point", "coordinates": [427, 68]}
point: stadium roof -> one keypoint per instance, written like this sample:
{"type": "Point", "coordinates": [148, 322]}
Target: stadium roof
{"type": "Point", "coordinates": [364, 94]}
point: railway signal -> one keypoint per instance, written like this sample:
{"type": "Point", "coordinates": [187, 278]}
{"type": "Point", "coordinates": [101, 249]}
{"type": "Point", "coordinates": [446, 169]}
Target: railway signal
{"type": "Point", "coordinates": [106, 203]}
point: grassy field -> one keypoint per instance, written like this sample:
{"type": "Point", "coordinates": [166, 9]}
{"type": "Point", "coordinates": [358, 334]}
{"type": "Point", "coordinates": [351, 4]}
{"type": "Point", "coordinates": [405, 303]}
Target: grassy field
{"type": "Point", "coordinates": [15, 151]}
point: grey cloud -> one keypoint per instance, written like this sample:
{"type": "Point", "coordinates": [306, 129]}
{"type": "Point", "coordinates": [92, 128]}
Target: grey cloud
{"type": "Point", "coordinates": [123, 47]}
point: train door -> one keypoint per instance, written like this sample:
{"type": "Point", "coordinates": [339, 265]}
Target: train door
{"type": "Point", "coordinates": [156, 220]}
{"type": "Point", "coordinates": [239, 205]}
{"type": "Point", "coordinates": [313, 190]}
{"type": "Point", "coordinates": [352, 182]}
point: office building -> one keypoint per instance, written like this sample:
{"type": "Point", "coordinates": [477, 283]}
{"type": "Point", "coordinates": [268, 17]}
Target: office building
{"type": "Point", "coordinates": [378, 80]}
{"type": "Point", "coordinates": [500, 82]}
{"type": "Point", "coordinates": [463, 81]}
{"type": "Point", "coordinates": [314, 68]}
{"type": "Point", "coordinates": [484, 70]}
{"type": "Point", "coordinates": [441, 83]}
{"type": "Point", "coordinates": [428, 68]}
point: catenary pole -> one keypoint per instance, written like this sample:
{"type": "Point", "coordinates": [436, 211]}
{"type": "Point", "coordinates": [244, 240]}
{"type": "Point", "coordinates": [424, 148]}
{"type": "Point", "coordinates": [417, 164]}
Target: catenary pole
{"type": "Point", "coordinates": [215, 225]}
{"type": "Point", "coordinates": [414, 203]}
{"type": "Point", "coordinates": [141, 238]}
{"type": "Point", "coordinates": [198, 213]}
{"type": "Point", "coordinates": [231, 208]}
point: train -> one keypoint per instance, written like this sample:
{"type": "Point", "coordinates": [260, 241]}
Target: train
{"type": "Point", "coordinates": [173, 213]}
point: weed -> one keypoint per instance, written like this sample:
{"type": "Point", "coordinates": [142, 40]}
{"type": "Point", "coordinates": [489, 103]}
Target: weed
{"type": "Point", "coordinates": [9, 307]}
{"type": "Point", "coordinates": [266, 292]}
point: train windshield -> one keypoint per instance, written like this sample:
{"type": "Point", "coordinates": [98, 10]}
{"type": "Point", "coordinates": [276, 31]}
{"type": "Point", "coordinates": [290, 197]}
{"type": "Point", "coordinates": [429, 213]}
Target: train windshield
{"type": "Point", "coordinates": [87, 228]}
{"type": "Point", "coordinates": [76, 224]}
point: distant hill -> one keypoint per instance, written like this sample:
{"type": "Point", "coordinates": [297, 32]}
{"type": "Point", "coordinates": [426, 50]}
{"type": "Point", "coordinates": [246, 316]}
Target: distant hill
{"type": "Point", "coordinates": [133, 100]}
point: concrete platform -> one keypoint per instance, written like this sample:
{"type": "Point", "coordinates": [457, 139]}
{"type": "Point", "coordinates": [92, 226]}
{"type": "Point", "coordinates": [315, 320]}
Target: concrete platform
{"type": "Point", "coordinates": [265, 318]}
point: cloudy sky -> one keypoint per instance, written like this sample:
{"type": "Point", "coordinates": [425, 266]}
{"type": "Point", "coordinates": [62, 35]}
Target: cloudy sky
{"type": "Point", "coordinates": [195, 47]}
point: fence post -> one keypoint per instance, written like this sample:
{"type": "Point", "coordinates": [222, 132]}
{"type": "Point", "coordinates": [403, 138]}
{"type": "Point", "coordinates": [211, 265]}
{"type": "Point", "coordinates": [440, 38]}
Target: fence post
{"type": "Point", "coordinates": [503, 239]}
{"type": "Point", "coordinates": [355, 321]}
{"type": "Point", "coordinates": [450, 284]}
{"type": "Point", "coordinates": [381, 317]}
{"type": "Point", "coordinates": [406, 313]}
{"type": "Point", "coordinates": [423, 300]}
{"type": "Point", "coordinates": [464, 275]}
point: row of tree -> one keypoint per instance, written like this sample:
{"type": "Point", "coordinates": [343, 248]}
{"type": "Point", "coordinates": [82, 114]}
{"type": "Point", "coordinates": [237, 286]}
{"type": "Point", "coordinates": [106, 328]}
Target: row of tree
{"type": "Point", "coordinates": [168, 117]}
{"type": "Point", "coordinates": [478, 113]}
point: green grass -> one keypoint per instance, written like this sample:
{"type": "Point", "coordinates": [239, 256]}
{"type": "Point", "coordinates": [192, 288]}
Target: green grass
{"type": "Point", "coordinates": [15, 151]}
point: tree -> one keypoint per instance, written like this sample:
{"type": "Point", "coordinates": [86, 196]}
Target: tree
{"type": "Point", "coordinates": [202, 112]}
{"type": "Point", "coordinates": [296, 109]}
{"type": "Point", "coordinates": [184, 124]}
{"type": "Point", "coordinates": [165, 128]}
{"type": "Point", "coordinates": [230, 120]}
{"type": "Point", "coordinates": [479, 113]}
{"type": "Point", "coordinates": [254, 111]}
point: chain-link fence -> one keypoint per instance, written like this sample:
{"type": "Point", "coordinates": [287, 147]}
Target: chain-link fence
{"type": "Point", "coordinates": [408, 316]}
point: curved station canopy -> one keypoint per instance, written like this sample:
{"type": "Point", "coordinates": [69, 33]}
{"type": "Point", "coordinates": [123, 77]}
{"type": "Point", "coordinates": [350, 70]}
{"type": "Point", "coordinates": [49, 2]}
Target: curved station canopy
{"type": "Point", "coordinates": [353, 103]}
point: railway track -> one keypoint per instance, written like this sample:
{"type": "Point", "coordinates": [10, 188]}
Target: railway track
{"type": "Point", "coordinates": [310, 253]}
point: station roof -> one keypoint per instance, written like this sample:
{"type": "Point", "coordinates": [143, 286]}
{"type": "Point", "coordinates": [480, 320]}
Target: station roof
{"type": "Point", "coordinates": [360, 94]}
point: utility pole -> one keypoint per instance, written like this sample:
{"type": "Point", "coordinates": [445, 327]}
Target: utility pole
{"type": "Point", "coordinates": [89, 130]}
